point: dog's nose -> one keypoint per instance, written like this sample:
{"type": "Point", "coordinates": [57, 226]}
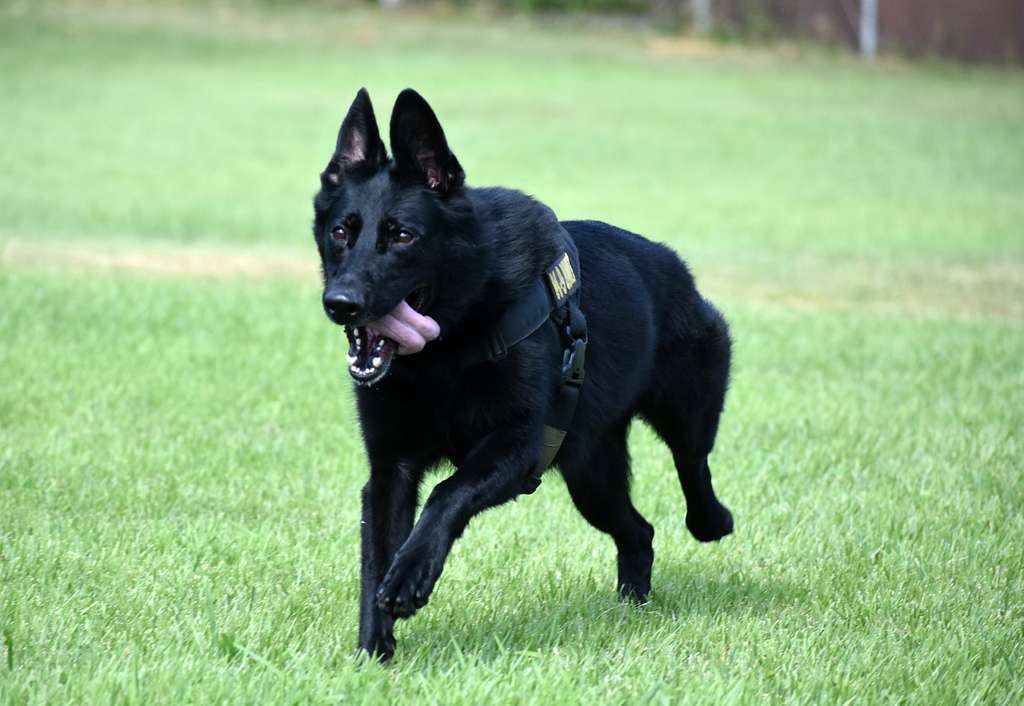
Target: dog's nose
{"type": "Point", "coordinates": [343, 304]}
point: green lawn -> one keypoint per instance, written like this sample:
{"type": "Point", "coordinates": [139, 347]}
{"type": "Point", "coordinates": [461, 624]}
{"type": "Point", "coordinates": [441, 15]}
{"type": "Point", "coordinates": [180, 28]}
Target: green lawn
{"type": "Point", "coordinates": [179, 463]}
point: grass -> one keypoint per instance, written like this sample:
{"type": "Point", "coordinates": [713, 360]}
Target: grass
{"type": "Point", "coordinates": [179, 464]}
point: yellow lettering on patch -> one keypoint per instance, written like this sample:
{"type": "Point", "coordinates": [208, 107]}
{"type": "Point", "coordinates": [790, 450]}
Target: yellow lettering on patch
{"type": "Point", "coordinates": [562, 278]}
{"type": "Point", "coordinates": [567, 273]}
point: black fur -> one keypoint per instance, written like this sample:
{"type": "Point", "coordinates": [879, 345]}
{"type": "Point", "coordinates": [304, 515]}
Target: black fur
{"type": "Point", "coordinates": [657, 350]}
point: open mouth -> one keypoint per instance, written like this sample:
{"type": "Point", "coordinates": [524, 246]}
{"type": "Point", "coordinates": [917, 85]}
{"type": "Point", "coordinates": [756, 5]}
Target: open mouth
{"type": "Point", "coordinates": [370, 352]}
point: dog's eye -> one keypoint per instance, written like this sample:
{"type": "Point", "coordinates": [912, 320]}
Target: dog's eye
{"type": "Point", "coordinates": [339, 234]}
{"type": "Point", "coordinates": [404, 235]}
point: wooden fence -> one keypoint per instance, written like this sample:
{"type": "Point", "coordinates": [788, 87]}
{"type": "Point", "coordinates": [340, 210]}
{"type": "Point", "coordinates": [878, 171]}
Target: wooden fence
{"type": "Point", "coordinates": [968, 30]}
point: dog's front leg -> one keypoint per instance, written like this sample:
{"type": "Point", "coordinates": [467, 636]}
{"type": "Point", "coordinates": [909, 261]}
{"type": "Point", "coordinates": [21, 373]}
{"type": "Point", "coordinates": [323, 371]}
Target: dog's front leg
{"type": "Point", "coordinates": [389, 504]}
{"type": "Point", "coordinates": [493, 472]}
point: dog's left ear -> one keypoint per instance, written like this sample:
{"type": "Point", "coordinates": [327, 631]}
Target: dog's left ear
{"type": "Point", "coordinates": [419, 145]}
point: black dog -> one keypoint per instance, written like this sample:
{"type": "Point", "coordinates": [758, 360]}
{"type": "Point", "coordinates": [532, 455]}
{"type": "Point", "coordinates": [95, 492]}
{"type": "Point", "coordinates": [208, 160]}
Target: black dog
{"type": "Point", "coordinates": [407, 228]}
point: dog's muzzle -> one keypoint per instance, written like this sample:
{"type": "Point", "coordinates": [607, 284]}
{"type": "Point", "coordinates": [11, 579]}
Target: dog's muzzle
{"type": "Point", "coordinates": [404, 330]}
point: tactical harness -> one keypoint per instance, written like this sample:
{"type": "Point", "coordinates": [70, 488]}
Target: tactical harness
{"type": "Point", "coordinates": [555, 296]}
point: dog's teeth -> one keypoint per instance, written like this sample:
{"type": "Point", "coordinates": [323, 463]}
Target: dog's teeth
{"type": "Point", "coordinates": [378, 361]}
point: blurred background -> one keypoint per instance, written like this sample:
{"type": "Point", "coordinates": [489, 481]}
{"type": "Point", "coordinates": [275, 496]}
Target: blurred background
{"type": "Point", "coordinates": [989, 30]}
{"type": "Point", "coordinates": [744, 131]}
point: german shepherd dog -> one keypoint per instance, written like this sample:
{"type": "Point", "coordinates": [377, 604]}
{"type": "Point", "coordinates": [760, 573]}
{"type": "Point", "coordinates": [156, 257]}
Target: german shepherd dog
{"type": "Point", "coordinates": [406, 230]}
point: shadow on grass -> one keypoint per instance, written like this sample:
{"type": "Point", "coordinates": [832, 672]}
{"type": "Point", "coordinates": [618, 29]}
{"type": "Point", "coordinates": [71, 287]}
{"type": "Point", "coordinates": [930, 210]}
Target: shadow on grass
{"type": "Point", "coordinates": [572, 619]}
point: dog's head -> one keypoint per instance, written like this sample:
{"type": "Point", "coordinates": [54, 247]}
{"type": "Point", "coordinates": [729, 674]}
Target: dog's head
{"type": "Point", "coordinates": [387, 228]}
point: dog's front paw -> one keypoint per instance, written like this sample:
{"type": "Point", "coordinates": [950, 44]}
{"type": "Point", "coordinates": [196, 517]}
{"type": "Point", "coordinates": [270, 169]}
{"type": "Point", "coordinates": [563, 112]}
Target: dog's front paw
{"type": "Point", "coordinates": [408, 583]}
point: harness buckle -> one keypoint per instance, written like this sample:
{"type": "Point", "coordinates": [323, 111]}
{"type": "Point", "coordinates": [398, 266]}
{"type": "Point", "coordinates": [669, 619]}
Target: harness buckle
{"type": "Point", "coordinates": [573, 362]}
{"type": "Point", "coordinates": [496, 343]}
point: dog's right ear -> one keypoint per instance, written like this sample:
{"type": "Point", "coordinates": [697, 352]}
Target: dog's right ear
{"type": "Point", "coordinates": [359, 144]}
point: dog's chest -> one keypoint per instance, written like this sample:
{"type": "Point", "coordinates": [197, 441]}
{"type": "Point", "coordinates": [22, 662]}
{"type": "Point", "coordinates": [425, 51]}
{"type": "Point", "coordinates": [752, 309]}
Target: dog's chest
{"type": "Point", "coordinates": [449, 411]}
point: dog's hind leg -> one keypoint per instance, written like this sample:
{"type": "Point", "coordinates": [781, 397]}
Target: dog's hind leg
{"type": "Point", "coordinates": [600, 490]}
{"type": "Point", "coordinates": [684, 407]}
{"type": "Point", "coordinates": [690, 437]}
{"type": "Point", "coordinates": [706, 517]}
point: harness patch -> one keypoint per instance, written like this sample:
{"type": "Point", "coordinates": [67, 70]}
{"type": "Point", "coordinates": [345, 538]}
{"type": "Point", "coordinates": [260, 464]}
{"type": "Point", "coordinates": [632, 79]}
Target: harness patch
{"type": "Point", "coordinates": [562, 279]}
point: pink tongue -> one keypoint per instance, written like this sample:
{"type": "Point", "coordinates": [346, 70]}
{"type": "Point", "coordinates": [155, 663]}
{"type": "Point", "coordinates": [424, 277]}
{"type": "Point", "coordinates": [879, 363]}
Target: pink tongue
{"type": "Point", "coordinates": [408, 328]}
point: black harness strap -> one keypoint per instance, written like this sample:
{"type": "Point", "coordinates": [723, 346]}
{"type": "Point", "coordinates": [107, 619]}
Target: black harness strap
{"type": "Point", "coordinates": [519, 322]}
{"type": "Point", "coordinates": [573, 330]}
{"type": "Point", "coordinates": [555, 297]}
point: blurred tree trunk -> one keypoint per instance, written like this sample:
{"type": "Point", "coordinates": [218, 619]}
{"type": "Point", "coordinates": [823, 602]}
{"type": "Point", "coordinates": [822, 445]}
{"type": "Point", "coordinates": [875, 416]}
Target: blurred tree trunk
{"type": "Point", "coordinates": [702, 19]}
{"type": "Point", "coordinates": [868, 34]}
{"type": "Point", "coordinates": [678, 13]}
